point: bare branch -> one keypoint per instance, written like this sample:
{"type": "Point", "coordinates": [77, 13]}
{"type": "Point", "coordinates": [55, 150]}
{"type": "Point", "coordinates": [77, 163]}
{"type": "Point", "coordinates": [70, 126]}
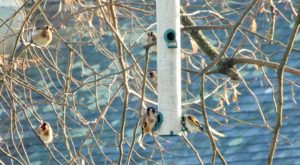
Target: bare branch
{"type": "Point", "coordinates": [280, 73]}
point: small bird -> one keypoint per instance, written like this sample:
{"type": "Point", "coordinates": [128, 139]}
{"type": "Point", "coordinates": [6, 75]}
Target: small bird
{"type": "Point", "coordinates": [42, 36]}
{"type": "Point", "coordinates": [153, 78]}
{"type": "Point", "coordinates": [151, 122]}
{"type": "Point", "coordinates": [151, 37]}
{"type": "Point", "coordinates": [45, 132]}
{"type": "Point", "coordinates": [191, 124]}
{"type": "Point", "coordinates": [148, 121]}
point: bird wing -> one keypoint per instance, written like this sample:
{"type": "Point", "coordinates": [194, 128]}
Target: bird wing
{"type": "Point", "coordinates": [195, 121]}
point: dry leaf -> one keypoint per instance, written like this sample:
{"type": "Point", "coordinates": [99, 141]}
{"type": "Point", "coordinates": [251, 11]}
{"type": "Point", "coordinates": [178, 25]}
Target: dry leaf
{"type": "Point", "coordinates": [293, 94]}
{"type": "Point", "coordinates": [256, 67]}
{"type": "Point", "coordinates": [25, 64]}
{"type": "Point", "coordinates": [194, 46]}
{"type": "Point", "coordinates": [19, 63]}
{"type": "Point", "coordinates": [203, 63]}
{"type": "Point", "coordinates": [235, 93]}
{"type": "Point", "coordinates": [90, 20]}
{"type": "Point", "coordinates": [224, 113]}
{"type": "Point", "coordinates": [253, 26]}
{"type": "Point", "coordinates": [68, 2]}
{"type": "Point", "coordinates": [235, 96]}
{"type": "Point", "coordinates": [220, 105]}
{"type": "Point", "coordinates": [262, 8]}
{"type": "Point", "coordinates": [225, 95]}
{"type": "Point", "coordinates": [188, 79]}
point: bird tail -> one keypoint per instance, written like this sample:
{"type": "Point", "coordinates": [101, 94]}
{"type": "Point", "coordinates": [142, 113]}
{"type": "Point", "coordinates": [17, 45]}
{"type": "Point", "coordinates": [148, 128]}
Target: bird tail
{"type": "Point", "coordinates": [215, 132]}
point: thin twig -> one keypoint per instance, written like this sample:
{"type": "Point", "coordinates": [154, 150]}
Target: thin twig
{"type": "Point", "coordinates": [207, 127]}
{"type": "Point", "coordinates": [280, 73]}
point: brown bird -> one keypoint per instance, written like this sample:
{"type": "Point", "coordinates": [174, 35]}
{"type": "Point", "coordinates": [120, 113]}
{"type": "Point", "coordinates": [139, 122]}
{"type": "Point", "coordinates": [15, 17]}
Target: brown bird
{"type": "Point", "coordinates": [148, 121]}
{"type": "Point", "coordinates": [45, 132]}
{"type": "Point", "coordinates": [42, 36]}
{"type": "Point", "coordinates": [151, 37]}
{"type": "Point", "coordinates": [191, 124]}
{"type": "Point", "coordinates": [153, 78]}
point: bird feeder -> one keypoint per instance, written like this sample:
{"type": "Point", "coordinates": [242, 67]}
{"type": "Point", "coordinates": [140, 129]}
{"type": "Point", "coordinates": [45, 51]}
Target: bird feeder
{"type": "Point", "coordinates": [169, 65]}
{"type": "Point", "coordinates": [170, 38]}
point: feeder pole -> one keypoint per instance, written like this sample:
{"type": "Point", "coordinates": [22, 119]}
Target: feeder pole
{"type": "Point", "coordinates": [169, 65]}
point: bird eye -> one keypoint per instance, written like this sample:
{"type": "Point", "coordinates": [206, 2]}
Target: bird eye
{"type": "Point", "coordinates": [151, 74]}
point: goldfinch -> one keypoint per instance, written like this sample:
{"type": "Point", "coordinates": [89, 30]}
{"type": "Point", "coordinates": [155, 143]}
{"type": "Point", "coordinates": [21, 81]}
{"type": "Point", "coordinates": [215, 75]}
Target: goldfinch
{"type": "Point", "coordinates": [151, 122]}
{"type": "Point", "coordinates": [153, 78]}
{"type": "Point", "coordinates": [148, 121]}
{"type": "Point", "coordinates": [42, 36]}
{"type": "Point", "coordinates": [45, 132]}
{"type": "Point", "coordinates": [151, 37]}
{"type": "Point", "coordinates": [191, 124]}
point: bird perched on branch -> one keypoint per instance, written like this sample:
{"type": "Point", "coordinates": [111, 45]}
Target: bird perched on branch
{"type": "Point", "coordinates": [151, 40]}
{"type": "Point", "coordinates": [151, 122]}
{"type": "Point", "coordinates": [45, 132]}
{"type": "Point", "coordinates": [42, 36]}
{"type": "Point", "coordinates": [191, 124]}
{"type": "Point", "coordinates": [151, 37]}
{"type": "Point", "coordinates": [153, 78]}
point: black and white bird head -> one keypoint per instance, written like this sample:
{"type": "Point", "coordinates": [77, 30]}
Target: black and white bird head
{"type": "Point", "coordinates": [45, 132]}
{"type": "Point", "coordinates": [151, 111]}
{"type": "Point", "coordinates": [151, 37]}
{"type": "Point", "coordinates": [153, 74]}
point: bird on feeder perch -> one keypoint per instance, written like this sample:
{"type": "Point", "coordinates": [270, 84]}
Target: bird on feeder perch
{"type": "Point", "coordinates": [151, 122]}
{"type": "Point", "coordinates": [191, 124]}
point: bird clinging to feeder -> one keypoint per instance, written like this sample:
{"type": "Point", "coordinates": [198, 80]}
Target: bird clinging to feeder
{"type": "Point", "coordinates": [151, 122]}
{"type": "Point", "coordinates": [191, 124]}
